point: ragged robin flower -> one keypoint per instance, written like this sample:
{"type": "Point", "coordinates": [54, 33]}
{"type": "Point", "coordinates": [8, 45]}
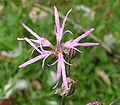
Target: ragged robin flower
{"type": "Point", "coordinates": [59, 49]}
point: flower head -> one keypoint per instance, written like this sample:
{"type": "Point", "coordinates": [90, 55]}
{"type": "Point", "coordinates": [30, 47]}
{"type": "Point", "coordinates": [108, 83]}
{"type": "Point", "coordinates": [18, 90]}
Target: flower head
{"type": "Point", "coordinates": [59, 50]}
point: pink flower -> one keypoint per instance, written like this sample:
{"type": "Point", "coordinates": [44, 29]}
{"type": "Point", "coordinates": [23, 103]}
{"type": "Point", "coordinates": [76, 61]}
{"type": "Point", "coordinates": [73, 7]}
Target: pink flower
{"type": "Point", "coordinates": [39, 43]}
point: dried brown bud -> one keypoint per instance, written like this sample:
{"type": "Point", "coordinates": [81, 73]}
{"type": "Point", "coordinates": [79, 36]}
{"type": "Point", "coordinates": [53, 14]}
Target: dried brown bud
{"type": "Point", "coordinates": [71, 87]}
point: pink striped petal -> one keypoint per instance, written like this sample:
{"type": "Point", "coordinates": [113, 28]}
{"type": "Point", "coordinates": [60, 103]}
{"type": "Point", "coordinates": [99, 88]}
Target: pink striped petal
{"type": "Point", "coordinates": [84, 35]}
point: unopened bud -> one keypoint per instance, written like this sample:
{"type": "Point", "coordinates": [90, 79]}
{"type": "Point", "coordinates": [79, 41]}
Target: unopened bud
{"type": "Point", "coordinates": [72, 53]}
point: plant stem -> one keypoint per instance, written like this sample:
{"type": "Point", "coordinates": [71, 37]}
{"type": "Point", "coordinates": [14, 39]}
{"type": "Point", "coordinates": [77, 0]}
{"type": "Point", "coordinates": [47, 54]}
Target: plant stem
{"type": "Point", "coordinates": [63, 100]}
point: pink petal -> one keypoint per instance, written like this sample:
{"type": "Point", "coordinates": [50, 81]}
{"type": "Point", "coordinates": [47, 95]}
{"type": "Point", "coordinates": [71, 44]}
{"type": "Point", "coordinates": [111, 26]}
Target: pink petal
{"type": "Point", "coordinates": [70, 44]}
{"type": "Point", "coordinates": [29, 30]}
{"type": "Point", "coordinates": [43, 55]}
{"type": "Point", "coordinates": [84, 35]}
{"type": "Point", "coordinates": [59, 71]}
{"type": "Point", "coordinates": [32, 61]}
{"type": "Point", "coordinates": [64, 21]}
{"type": "Point", "coordinates": [88, 44]}
{"type": "Point", "coordinates": [57, 21]}
{"type": "Point", "coordinates": [63, 71]}
{"type": "Point", "coordinates": [64, 76]}
{"type": "Point", "coordinates": [44, 42]}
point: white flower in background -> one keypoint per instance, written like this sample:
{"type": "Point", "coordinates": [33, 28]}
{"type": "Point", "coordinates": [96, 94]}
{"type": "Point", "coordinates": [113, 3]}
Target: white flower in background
{"type": "Point", "coordinates": [8, 91]}
{"type": "Point", "coordinates": [36, 14]}
{"type": "Point", "coordinates": [51, 102]}
{"type": "Point", "coordinates": [1, 7]}
{"type": "Point", "coordinates": [52, 78]}
{"type": "Point", "coordinates": [13, 54]}
{"type": "Point", "coordinates": [33, 15]}
{"type": "Point", "coordinates": [9, 88]}
{"type": "Point", "coordinates": [42, 15]}
{"type": "Point", "coordinates": [87, 11]}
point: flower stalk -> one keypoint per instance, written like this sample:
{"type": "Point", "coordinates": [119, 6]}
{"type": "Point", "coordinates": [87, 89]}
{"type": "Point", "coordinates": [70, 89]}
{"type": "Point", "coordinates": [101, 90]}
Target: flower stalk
{"type": "Point", "coordinates": [63, 100]}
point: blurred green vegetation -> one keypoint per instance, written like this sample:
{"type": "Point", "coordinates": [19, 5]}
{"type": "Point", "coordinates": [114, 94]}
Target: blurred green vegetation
{"type": "Point", "coordinates": [90, 87]}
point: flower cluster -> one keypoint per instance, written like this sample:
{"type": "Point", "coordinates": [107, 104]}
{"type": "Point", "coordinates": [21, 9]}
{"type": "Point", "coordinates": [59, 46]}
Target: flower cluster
{"type": "Point", "coordinates": [59, 49]}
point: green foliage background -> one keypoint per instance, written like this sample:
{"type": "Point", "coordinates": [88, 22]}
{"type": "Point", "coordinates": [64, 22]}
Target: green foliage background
{"type": "Point", "coordinates": [89, 86]}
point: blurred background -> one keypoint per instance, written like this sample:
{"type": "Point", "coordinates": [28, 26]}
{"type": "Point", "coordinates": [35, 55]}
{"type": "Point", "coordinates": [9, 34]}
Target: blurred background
{"type": "Point", "coordinates": [97, 70]}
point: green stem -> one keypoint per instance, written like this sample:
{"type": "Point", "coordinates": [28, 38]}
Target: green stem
{"type": "Point", "coordinates": [63, 100]}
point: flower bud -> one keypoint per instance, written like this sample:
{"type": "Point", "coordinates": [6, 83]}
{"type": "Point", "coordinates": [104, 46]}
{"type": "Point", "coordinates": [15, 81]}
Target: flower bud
{"type": "Point", "coordinates": [72, 53]}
